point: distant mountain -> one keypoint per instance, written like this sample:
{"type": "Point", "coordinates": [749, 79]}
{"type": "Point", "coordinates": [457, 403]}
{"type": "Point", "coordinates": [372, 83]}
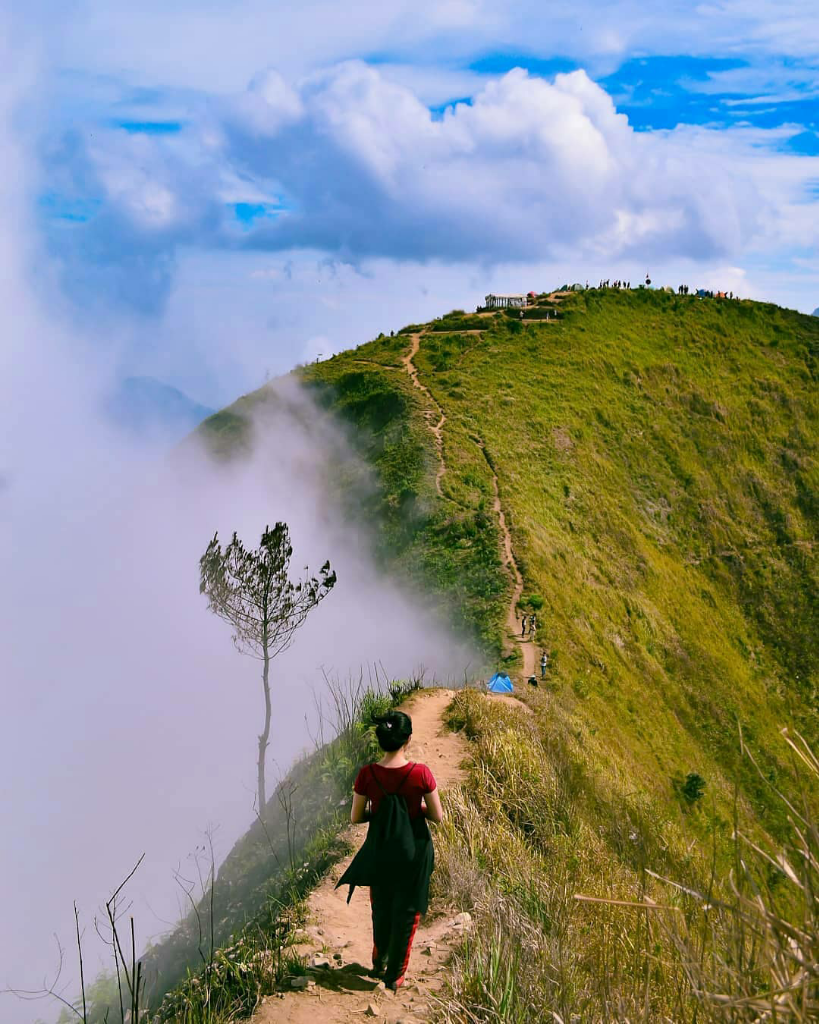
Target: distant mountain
{"type": "Point", "coordinates": [146, 406]}
{"type": "Point", "coordinates": [816, 311]}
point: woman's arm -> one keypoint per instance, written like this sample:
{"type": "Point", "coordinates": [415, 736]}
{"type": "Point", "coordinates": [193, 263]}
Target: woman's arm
{"type": "Point", "coordinates": [433, 810]}
{"type": "Point", "coordinates": [358, 808]}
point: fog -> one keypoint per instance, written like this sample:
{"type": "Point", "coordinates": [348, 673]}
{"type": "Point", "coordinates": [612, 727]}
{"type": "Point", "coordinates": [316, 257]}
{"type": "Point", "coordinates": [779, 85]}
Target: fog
{"type": "Point", "coordinates": [129, 721]}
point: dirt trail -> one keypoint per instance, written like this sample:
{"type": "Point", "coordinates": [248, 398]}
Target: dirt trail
{"type": "Point", "coordinates": [468, 330]}
{"type": "Point", "coordinates": [436, 428]}
{"type": "Point", "coordinates": [342, 933]}
{"type": "Point", "coordinates": [527, 647]}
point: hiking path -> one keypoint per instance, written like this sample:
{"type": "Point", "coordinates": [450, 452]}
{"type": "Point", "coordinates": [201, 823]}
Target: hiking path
{"type": "Point", "coordinates": [513, 632]}
{"type": "Point", "coordinates": [437, 428]}
{"type": "Point", "coordinates": [526, 645]}
{"type": "Point", "coordinates": [338, 936]}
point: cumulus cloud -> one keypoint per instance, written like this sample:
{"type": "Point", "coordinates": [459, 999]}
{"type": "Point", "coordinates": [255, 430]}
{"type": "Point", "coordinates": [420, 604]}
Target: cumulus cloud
{"type": "Point", "coordinates": [140, 199]}
{"type": "Point", "coordinates": [527, 170]}
{"type": "Point", "coordinates": [351, 162]}
{"type": "Point", "coordinates": [128, 720]}
{"type": "Point", "coordinates": [268, 105]}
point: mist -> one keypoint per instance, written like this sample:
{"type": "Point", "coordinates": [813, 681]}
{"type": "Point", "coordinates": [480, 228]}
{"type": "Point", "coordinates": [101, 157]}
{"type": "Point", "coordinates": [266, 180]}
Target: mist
{"type": "Point", "coordinates": [129, 721]}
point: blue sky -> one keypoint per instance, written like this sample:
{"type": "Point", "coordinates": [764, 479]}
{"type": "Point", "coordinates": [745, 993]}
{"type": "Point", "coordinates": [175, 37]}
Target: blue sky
{"type": "Point", "coordinates": [249, 137]}
{"type": "Point", "coordinates": [210, 192]}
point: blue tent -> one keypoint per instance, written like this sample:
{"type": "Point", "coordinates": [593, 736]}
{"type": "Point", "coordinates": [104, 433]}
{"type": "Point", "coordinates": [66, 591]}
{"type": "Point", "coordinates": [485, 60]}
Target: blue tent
{"type": "Point", "coordinates": [500, 684]}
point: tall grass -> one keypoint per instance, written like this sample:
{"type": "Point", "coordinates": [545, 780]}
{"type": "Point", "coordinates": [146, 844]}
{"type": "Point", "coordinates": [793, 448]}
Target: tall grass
{"type": "Point", "coordinates": [525, 837]}
{"type": "Point", "coordinates": [751, 951]}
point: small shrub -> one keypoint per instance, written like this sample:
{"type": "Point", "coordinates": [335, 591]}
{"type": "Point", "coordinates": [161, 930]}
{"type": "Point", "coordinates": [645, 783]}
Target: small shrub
{"type": "Point", "coordinates": [374, 705]}
{"type": "Point", "coordinates": [693, 787]}
{"type": "Point", "coordinates": [689, 789]}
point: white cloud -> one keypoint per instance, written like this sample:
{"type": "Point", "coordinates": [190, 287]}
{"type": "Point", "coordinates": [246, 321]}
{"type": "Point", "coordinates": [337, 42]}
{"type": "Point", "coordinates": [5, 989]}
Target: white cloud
{"type": "Point", "coordinates": [317, 347]}
{"type": "Point", "coordinates": [435, 86]}
{"type": "Point", "coordinates": [269, 104]}
{"type": "Point", "coordinates": [525, 171]}
{"type": "Point", "coordinates": [112, 670]}
{"type": "Point", "coordinates": [761, 81]}
{"type": "Point", "coordinates": [210, 47]}
{"type": "Point", "coordinates": [266, 274]}
{"type": "Point", "coordinates": [350, 161]}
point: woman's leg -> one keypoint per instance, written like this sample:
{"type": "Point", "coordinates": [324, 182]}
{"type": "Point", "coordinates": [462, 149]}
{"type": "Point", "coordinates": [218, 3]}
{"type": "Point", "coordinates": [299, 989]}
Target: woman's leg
{"type": "Point", "coordinates": [381, 904]}
{"type": "Point", "coordinates": [405, 920]}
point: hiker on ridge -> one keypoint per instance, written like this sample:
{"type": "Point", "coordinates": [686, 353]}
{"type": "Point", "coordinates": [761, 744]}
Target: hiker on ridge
{"type": "Point", "coordinates": [523, 627]}
{"type": "Point", "coordinates": [532, 624]}
{"type": "Point", "coordinates": [397, 857]}
{"type": "Point", "coordinates": [544, 661]}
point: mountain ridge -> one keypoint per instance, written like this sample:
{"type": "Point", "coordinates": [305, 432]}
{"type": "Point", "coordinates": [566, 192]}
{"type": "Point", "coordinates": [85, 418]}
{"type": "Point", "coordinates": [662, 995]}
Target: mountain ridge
{"type": "Point", "coordinates": [640, 471]}
{"type": "Point", "coordinates": [656, 464]}
{"type": "Point", "coordinates": [147, 406]}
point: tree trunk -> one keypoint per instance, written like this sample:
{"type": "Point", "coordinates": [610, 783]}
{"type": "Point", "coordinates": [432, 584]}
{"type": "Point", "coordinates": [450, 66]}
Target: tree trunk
{"type": "Point", "coordinates": [265, 735]}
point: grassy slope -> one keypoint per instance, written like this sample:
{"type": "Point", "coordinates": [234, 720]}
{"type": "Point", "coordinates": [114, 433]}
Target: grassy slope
{"type": "Point", "coordinates": [449, 553]}
{"type": "Point", "coordinates": [656, 460]}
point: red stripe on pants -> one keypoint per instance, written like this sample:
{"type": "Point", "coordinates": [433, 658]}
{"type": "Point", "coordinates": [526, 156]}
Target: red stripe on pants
{"type": "Point", "coordinates": [409, 947]}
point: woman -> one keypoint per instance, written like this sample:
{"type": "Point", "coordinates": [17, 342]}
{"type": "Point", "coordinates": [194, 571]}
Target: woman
{"type": "Point", "coordinates": [397, 902]}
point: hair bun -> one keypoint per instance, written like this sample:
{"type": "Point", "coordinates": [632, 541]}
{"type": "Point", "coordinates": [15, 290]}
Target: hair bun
{"type": "Point", "coordinates": [392, 729]}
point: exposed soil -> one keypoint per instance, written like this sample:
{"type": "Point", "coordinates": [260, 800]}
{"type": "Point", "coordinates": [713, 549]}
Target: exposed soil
{"type": "Point", "coordinates": [435, 425]}
{"type": "Point", "coordinates": [342, 992]}
{"type": "Point", "coordinates": [526, 645]}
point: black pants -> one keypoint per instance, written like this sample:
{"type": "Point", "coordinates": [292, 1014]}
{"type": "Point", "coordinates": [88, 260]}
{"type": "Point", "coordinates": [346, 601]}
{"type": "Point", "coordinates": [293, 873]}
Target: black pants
{"type": "Point", "coordinates": [395, 920]}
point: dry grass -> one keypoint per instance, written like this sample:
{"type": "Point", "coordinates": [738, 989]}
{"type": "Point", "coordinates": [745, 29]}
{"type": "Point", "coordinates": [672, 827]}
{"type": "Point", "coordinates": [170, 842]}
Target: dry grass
{"type": "Point", "coordinates": [753, 953]}
{"type": "Point", "coordinates": [526, 835]}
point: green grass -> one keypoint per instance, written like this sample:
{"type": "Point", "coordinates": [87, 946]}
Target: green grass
{"type": "Point", "coordinates": [656, 461]}
{"type": "Point", "coordinates": [535, 825]}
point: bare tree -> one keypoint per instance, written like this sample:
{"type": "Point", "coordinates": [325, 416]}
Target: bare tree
{"type": "Point", "coordinates": [94, 1003]}
{"type": "Point", "coordinates": [253, 592]}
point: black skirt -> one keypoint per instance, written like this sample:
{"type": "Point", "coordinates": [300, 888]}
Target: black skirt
{"type": "Point", "coordinates": [364, 869]}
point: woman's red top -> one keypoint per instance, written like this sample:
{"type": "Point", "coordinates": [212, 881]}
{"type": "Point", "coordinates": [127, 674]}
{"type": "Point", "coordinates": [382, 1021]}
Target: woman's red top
{"type": "Point", "coordinates": [419, 781]}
